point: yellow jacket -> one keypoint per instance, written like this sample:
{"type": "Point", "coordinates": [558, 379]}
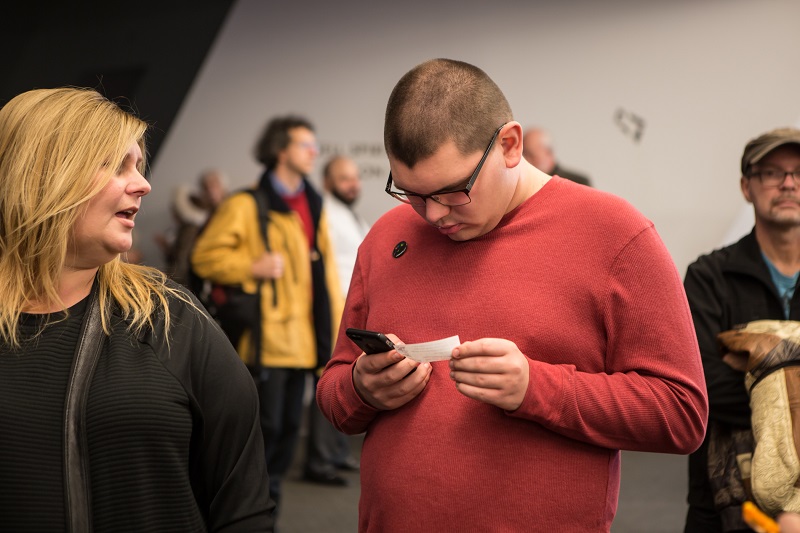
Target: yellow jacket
{"type": "Point", "coordinates": [230, 243]}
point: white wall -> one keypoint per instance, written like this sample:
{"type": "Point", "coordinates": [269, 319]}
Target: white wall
{"type": "Point", "coordinates": [705, 75]}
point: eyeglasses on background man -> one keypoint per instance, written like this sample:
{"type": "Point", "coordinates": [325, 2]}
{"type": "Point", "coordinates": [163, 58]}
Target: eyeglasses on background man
{"type": "Point", "coordinates": [773, 177]}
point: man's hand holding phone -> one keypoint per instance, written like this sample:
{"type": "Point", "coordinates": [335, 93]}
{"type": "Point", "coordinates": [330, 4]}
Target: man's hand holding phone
{"type": "Point", "coordinates": [387, 380]}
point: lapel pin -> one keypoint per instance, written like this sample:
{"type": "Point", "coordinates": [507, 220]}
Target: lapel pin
{"type": "Point", "coordinates": [399, 249]}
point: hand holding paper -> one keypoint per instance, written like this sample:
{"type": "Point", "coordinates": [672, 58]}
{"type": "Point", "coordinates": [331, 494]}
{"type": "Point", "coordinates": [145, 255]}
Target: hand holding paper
{"type": "Point", "coordinates": [492, 371]}
{"type": "Point", "coordinates": [427, 352]}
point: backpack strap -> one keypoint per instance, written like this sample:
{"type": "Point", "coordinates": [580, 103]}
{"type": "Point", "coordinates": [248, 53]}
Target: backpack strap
{"type": "Point", "coordinates": [262, 206]}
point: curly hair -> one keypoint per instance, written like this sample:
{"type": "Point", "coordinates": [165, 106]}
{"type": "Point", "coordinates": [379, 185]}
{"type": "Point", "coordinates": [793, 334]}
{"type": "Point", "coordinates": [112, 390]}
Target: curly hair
{"type": "Point", "coordinates": [276, 138]}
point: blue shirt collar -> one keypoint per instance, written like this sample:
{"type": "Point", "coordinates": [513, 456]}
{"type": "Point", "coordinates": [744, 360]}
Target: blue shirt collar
{"type": "Point", "coordinates": [282, 190]}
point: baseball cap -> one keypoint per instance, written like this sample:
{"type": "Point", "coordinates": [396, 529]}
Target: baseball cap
{"type": "Point", "coordinates": [762, 145]}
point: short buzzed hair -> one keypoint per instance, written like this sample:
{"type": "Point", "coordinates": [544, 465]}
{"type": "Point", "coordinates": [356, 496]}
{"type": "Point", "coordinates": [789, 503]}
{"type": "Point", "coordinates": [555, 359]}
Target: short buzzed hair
{"type": "Point", "coordinates": [438, 101]}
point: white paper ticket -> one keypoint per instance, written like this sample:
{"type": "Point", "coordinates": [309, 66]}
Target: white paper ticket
{"type": "Point", "coordinates": [426, 352]}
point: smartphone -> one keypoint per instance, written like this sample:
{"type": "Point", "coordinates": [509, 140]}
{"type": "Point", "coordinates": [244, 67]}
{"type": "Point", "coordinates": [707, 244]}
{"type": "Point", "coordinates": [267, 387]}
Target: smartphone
{"type": "Point", "coordinates": [370, 341]}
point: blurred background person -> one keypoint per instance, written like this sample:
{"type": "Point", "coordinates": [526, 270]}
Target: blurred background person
{"type": "Point", "coordinates": [752, 279]}
{"type": "Point", "coordinates": [342, 184]}
{"type": "Point", "coordinates": [190, 208]}
{"type": "Point", "coordinates": [293, 264]}
{"type": "Point", "coordinates": [143, 414]}
{"type": "Point", "coordinates": [537, 149]}
{"type": "Point", "coordinates": [327, 449]}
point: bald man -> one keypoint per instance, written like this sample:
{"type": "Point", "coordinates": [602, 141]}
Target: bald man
{"type": "Point", "coordinates": [328, 450]}
{"type": "Point", "coordinates": [342, 184]}
{"type": "Point", "coordinates": [537, 148]}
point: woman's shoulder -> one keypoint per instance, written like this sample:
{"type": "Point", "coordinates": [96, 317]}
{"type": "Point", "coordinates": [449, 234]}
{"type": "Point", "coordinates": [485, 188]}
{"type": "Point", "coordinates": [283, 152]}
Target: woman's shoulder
{"type": "Point", "coordinates": [182, 302]}
{"type": "Point", "coordinates": [174, 307]}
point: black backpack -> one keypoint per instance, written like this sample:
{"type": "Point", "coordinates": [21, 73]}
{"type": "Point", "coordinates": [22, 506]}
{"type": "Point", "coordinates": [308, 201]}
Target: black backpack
{"type": "Point", "coordinates": [233, 309]}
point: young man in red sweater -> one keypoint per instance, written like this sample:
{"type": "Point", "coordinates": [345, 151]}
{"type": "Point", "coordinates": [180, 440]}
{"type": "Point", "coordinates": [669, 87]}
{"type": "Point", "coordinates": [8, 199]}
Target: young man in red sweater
{"type": "Point", "coordinates": [575, 336]}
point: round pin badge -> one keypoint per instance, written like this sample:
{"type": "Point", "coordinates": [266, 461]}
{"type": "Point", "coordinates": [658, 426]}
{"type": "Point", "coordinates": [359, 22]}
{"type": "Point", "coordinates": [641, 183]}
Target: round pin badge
{"type": "Point", "coordinates": [399, 249]}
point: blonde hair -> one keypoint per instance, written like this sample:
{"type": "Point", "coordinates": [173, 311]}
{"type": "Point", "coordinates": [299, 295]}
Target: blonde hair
{"type": "Point", "coordinates": [58, 149]}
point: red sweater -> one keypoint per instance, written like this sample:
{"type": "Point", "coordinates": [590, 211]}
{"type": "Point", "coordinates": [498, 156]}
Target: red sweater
{"type": "Point", "coordinates": [584, 286]}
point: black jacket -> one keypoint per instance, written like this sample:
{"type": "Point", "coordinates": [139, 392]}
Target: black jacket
{"type": "Point", "coordinates": [171, 429]}
{"type": "Point", "coordinates": [726, 288]}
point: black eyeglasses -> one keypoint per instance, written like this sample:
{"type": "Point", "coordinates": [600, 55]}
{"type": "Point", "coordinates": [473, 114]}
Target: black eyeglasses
{"type": "Point", "coordinates": [448, 198]}
{"type": "Point", "coordinates": [773, 177]}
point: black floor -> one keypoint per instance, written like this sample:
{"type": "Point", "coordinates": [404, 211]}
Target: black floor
{"type": "Point", "coordinates": [652, 498]}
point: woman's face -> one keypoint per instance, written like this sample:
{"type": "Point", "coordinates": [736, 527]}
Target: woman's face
{"type": "Point", "coordinates": [104, 228]}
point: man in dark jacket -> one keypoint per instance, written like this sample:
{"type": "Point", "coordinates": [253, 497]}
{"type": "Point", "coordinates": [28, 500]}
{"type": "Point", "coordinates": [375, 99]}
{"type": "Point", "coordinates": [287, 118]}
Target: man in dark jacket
{"type": "Point", "coordinates": [537, 148]}
{"type": "Point", "coordinates": [752, 279]}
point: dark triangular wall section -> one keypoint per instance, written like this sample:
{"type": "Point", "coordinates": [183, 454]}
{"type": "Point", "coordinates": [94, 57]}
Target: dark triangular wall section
{"type": "Point", "coordinates": [144, 54]}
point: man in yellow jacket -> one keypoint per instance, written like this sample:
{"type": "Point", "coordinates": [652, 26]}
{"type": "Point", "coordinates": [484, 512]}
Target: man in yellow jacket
{"type": "Point", "coordinates": [301, 301]}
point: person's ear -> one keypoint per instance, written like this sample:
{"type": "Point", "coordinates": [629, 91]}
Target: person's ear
{"type": "Point", "coordinates": [510, 139]}
{"type": "Point", "coordinates": [281, 157]}
{"type": "Point", "coordinates": [744, 184]}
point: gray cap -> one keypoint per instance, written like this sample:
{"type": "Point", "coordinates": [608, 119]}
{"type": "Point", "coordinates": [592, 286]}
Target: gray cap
{"type": "Point", "coordinates": [764, 144]}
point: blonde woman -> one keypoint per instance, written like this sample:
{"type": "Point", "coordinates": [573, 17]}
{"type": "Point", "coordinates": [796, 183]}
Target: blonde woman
{"type": "Point", "coordinates": [122, 406]}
